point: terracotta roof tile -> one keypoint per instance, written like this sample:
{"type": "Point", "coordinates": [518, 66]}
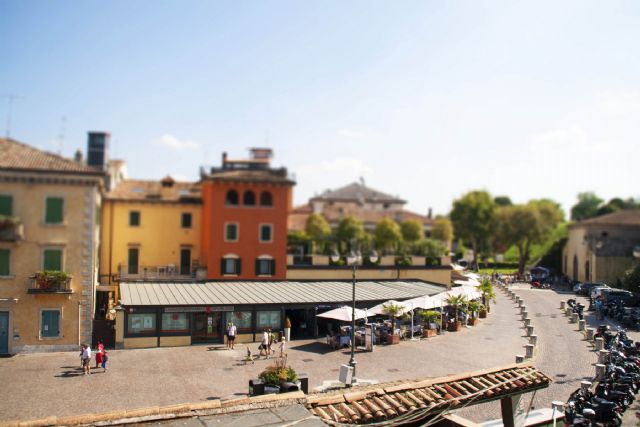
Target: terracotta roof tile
{"type": "Point", "coordinates": [249, 175]}
{"type": "Point", "coordinates": [18, 156]}
{"type": "Point", "coordinates": [625, 217]}
{"type": "Point", "coordinates": [357, 192]}
{"type": "Point", "coordinates": [166, 190]}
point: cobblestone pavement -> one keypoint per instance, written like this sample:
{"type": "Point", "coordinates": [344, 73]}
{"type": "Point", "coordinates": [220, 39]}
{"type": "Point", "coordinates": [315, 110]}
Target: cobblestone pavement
{"type": "Point", "coordinates": [40, 385]}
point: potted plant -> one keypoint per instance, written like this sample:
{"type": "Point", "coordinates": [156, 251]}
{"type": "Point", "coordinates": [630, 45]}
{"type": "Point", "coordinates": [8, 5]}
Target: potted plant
{"type": "Point", "coordinates": [276, 376]}
{"type": "Point", "coordinates": [488, 293]}
{"type": "Point", "coordinates": [10, 228]}
{"type": "Point", "coordinates": [287, 329]}
{"type": "Point", "coordinates": [473, 307]}
{"type": "Point", "coordinates": [51, 280]}
{"type": "Point", "coordinates": [457, 302]}
{"type": "Point", "coordinates": [393, 311]}
{"type": "Point", "coordinates": [432, 318]}
{"type": "Point", "coordinates": [482, 312]}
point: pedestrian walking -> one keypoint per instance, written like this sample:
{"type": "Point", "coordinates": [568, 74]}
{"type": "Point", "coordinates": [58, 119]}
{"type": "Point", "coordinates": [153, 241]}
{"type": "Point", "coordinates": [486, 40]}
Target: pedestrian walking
{"type": "Point", "coordinates": [105, 359]}
{"type": "Point", "coordinates": [86, 359]}
{"type": "Point", "coordinates": [264, 344]}
{"type": "Point", "coordinates": [283, 347]}
{"type": "Point", "coordinates": [99, 353]}
{"type": "Point", "coordinates": [272, 340]}
{"type": "Point", "coordinates": [231, 334]}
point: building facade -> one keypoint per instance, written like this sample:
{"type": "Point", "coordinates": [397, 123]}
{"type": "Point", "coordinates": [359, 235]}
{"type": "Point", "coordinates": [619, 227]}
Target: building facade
{"type": "Point", "coordinates": [49, 210]}
{"type": "Point", "coordinates": [601, 249]}
{"type": "Point", "coordinates": [245, 204]}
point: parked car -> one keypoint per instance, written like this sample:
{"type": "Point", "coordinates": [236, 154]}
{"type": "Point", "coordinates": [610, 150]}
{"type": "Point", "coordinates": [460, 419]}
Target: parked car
{"type": "Point", "coordinates": [577, 288]}
{"type": "Point", "coordinates": [596, 291]}
{"type": "Point", "coordinates": [585, 289]}
{"type": "Point", "coordinates": [619, 295]}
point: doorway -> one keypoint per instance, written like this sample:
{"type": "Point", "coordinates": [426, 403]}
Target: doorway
{"type": "Point", "coordinates": [302, 322]}
{"type": "Point", "coordinates": [207, 327]}
{"type": "Point", "coordinates": [4, 332]}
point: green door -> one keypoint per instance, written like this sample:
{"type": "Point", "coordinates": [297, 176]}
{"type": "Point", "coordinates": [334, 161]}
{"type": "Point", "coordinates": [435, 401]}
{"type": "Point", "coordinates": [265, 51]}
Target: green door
{"type": "Point", "coordinates": [4, 332]}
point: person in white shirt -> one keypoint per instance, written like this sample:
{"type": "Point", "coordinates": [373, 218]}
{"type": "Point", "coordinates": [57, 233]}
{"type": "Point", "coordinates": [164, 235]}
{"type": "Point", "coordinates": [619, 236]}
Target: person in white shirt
{"type": "Point", "coordinates": [231, 334]}
{"type": "Point", "coordinates": [86, 359]}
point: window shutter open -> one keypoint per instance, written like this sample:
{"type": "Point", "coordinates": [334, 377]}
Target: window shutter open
{"type": "Point", "coordinates": [238, 264]}
{"type": "Point", "coordinates": [257, 267]}
{"type": "Point", "coordinates": [273, 267]}
{"type": "Point", "coordinates": [222, 271]}
{"type": "Point", "coordinates": [6, 205]}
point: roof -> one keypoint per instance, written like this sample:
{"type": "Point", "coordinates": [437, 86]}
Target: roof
{"type": "Point", "coordinates": [629, 217]}
{"type": "Point", "coordinates": [417, 400]}
{"type": "Point", "coordinates": [358, 192]}
{"type": "Point", "coordinates": [16, 155]}
{"type": "Point", "coordinates": [249, 175]}
{"type": "Point", "coordinates": [166, 190]}
{"type": "Point", "coordinates": [263, 292]}
{"type": "Point", "coordinates": [335, 214]}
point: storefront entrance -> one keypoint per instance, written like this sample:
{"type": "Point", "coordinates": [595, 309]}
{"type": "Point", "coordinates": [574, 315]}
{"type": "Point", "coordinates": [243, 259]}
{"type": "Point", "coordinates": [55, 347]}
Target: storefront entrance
{"type": "Point", "coordinates": [207, 327]}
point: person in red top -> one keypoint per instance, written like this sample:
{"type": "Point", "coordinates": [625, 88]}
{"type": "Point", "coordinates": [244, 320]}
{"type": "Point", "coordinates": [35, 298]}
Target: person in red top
{"type": "Point", "coordinates": [99, 354]}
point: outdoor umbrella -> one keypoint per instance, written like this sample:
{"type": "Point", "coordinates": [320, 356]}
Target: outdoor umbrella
{"type": "Point", "coordinates": [379, 309]}
{"type": "Point", "coordinates": [425, 302]}
{"type": "Point", "coordinates": [344, 314]}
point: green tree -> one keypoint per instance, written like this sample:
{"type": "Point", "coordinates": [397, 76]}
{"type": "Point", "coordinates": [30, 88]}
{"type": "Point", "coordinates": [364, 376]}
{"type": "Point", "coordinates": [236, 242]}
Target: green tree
{"type": "Point", "coordinates": [488, 293]}
{"type": "Point", "coordinates": [617, 204]}
{"type": "Point", "coordinates": [412, 230]}
{"type": "Point", "coordinates": [442, 230]}
{"type": "Point", "coordinates": [318, 230]}
{"type": "Point", "coordinates": [587, 206]}
{"type": "Point", "coordinates": [631, 280]}
{"type": "Point", "coordinates": [473, 219]}
{"type": "Point", "coordinates": [387, 235]}
{"type": "Point", "coordinates": [350, 229]}
{"type": "Point", "coordinates": [431, 248]}
{"type": "Point", "coordinates": [502, 201]}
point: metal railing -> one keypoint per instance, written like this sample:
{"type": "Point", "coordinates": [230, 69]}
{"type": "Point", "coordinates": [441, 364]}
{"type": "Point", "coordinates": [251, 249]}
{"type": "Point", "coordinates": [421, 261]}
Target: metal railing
{"type": "Point", "coordinates": [46, 283]}
{"type": "Point", "coordinates": [152, 272]}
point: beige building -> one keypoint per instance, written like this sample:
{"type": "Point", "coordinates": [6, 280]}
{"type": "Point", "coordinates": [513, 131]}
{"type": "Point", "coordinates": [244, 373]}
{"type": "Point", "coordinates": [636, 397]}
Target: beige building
{"type": "Point", "coordinates": [601, 249]}
{"type": "Point", "coordinates": [49, 210]}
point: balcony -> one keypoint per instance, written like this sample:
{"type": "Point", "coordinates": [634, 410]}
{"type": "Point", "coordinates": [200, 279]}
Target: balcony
{"type": "Point", "coordinates": [11, 229]}
{"type": "Point", "coordinates": [50, 282]}
{"type": "Point", "coordinates": [157, 272]}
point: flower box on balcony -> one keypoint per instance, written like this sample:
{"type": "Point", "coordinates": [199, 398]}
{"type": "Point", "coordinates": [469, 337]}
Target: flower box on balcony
{"type": "Point", "coordinates": [55, 282]}
{"type": "Point", "coordinates": [11, 229]}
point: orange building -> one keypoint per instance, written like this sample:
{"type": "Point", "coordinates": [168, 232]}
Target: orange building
{"type": "Point", "coordinates": [245, 205]}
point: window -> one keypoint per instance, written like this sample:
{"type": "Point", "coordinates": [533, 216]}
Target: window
{"type": "Point", "coordinates": [265, 233]}
{"type": "Point", "coordinates": [249, 198]}
{"type": "Point", "coordinates": [5, 258]}
{"type": "Point", "coordinates": [185, 261]}
{"type": "Point", "coordinates": [54, 209]}
{"type": "Point", "coordinates": [133, 260]}
{"type": "Point", "coordinates": [141, 323]}
{"type": "Point", "coordinates": [6, 205]}
{"type": "Point", "coordinates": [265, 199]}
{"type": "Point", "coordinates": [52, 259]}
{"type": "Point", "coordinates": [134, 218]}
{"type": "Point", "coordinates": [232, 198]}
{"type": "Point", "coordinates": [231, 232]}
{"type": "Point", "coordinates": [268, 319]}
{"type": "Point", "coordinates": [50, 323]}
{"type": "Point", "coordinates": [230, 266]}
{"type": "Point", "coordinates": [186, 220]}
{"type": "Point", "coordinates": [175, 323]}
{"type": "Point", "coordinates": [265, 267]}
{"type": "Point", "coordinates": [242, 320]}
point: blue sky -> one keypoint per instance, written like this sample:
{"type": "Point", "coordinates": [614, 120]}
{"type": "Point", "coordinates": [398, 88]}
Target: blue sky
{"type": "Point", "coordinates": [424, 99]}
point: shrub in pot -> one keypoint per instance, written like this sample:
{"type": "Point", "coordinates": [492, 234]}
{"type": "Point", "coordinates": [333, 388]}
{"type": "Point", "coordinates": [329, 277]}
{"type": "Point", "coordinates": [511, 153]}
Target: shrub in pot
{"type": "Point", "coordinates": [457, 302]}
{"type": "Point", "coordinates": [431, 317]}
{"type": "Point", "coordinates": [278, 373]}
{"type": "Point", "coordinates": [474, 308]}
{"type": "Point", "coordinates": [393, 311]}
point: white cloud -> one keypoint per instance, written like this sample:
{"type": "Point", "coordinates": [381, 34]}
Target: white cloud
{"type": "Point", "coordinates": [172, 141]}
{"type": "Point", "coordinates": [352, 133]}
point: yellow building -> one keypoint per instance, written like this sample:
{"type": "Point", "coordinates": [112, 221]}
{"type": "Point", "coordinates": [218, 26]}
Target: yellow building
{"type": "Point", "coordinates": [150, 231]}
{"type": "Point", "coordinates": [48, 245]}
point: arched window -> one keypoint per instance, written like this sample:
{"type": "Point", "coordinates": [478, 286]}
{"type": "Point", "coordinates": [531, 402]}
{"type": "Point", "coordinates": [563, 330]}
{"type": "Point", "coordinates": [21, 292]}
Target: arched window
{"type": "Point", "coordinates": [575, 267]}
{"type": "Point", "coordinates": [232, 198]}
{"type": "Point", "coordinates": [587, 272]}
{"type": "Point", "coordinates": [249, 198]}
{"type": "Point", "coordinates": [265, 199]}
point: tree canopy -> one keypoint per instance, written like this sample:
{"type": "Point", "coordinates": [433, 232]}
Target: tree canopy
{"type": "Point", "coordinates": [442, 230]}
{"type": "Point", "coordinates": [317, 228]}
{"type": "Point", "coordinates": [387, 235]}
{"type": "Point", "coordinates": [350, 228]}
{"type": "Point", "coordinates": [502, 201]}
{"type": "Point", "coordinates": [587, 206]}
{"type": "Point", "coordinates": [473, 219]}
{"type": "Point", "coordinates": [412, 230]}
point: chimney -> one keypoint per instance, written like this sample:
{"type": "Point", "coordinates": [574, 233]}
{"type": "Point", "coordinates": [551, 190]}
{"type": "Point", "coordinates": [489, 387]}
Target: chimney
{"type": "Point", "coordinates": [78, 157]}
{"type": "Point", "coordinates": [430, 213]}
{"type": "Point", "coordinates": [97, 146]}
{"type": "Point", "coordinates": [224, 159]}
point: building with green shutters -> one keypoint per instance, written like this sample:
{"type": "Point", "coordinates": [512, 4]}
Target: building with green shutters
{"type": "Point", "coordinates": [48, 249]}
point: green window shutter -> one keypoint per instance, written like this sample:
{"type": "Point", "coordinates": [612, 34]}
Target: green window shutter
{"type": "Point", "coordinates": [52, 259]}
{"type": "Point", "coordinates": [185, 261]}
{"type": "Point", "coordinates": [54, 210]}
{"type": "Point", "coordinates": [186, 220]}
{"type": "Point", "coordinates": [4, 262]}
{"type": "Point", "coordinates": [6, 205]}
{"type": "Point", "coordinates": [238, 266]}
{"type": "Point", "coordinates": [50, 325]}
{"type": "Point", "coordinates": [273, 267]}
{"type": "Point", "coordinates": [133, 260]}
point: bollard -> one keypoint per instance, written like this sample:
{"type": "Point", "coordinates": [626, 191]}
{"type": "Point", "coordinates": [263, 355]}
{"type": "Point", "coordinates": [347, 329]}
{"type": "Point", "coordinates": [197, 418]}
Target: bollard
{"type": "Point", "coordinates": [524, 314]}
{"type": "Point", "coordinates": [585, 387]}
{"type": "Point", "coordinates": [600, 371]}
{"type": "Point", "coordinates": [527, 322]}
{"type": "Point", "coordinates": [523, 308]}
{"type": "Point", "coordinates": [519, 359]}
{"type": "Point", "coordinates": [529, 349]}
{"type": "Point", "coordinates": [517, 299]}
{"type": "Point", "coordinates": [563, 305]}
{"type": "Point", "coordinates": [603, 356]}
{"type": "Point", "coordinates": [521, 303]}
{"type": "Point", "coordinates": [581, 324]}
{"type": "Point", "coordinates": [599, 344]}
{"type": "Point", "coordinates": [568, 311]}
{"type": "Point", "coordinates": [533, 339]}
{"type": "Point", "coordinates": [529, 331]}
{"type": "Point", "coordinates": [574, 318]}
{"type": "Point", "coordinates": [590, 333]}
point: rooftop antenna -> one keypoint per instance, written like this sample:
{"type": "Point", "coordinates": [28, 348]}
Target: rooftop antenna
{"type": "Point", "coordinates": [11, 97]}
{"type": "Point", "coordinates": [63, 126]}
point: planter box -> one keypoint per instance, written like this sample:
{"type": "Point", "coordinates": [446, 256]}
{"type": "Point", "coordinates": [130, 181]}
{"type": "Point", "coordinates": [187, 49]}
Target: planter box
{"type": "Point", "coordinates": [454, 327]}
{"type": "Point", "coordinates": [393, 339]}
{"type": "Point", "coordinates": [271, 389]}
{"type": "Point", "coordinates": [483, 314]}
{"type": "Point", "coordinates": [430, 333]}
{"type": "Point", "coordinates": [418, 260]}
{"type": "Point", "coordinates": [388, 260]}
{"type": "Point", "coordinates": [473, 322]}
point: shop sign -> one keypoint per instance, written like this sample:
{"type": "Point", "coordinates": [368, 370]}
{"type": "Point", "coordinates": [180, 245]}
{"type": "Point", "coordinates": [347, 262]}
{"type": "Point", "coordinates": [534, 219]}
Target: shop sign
{"type": "Point", "coordinates": [197, 309]}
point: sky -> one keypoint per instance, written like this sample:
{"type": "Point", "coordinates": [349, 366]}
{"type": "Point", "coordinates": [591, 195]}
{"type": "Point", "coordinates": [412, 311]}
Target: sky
{"type": "Point", "coordinates": [422, 99]}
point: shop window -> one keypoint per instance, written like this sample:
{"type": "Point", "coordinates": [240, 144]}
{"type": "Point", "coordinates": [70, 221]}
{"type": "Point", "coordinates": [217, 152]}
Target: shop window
{"type": "Point", "coordinates": [186, 220]}
{"type": "Point", "coordinates": [50, 323]}
{"type": "Point", "coordinates": [249, 198]}
{"type": "Point", "coordinates": [54, 210]}
{"type": "Point", "coordinates": [242, 320]}
{"type": "Point", "coordinates": [175, 323]}
{"type": "Point", "coordinates": [132, 263]}
{"type": "Point", "coordinates": [231, 232]}
{"type": "Point", "coordinates": [52, 259]}
{"type": "Point", "coordinates": [268, 319]}
{"type": "Point", "coordinates": [230, 266]}
{"type": "Point", "coordinates": [5, 261]}
{"type": "Point", "coordinates": [141, 323]}
{"type": "Point", "coordinates": [6, 205]}
{"type": "Point", "coordinates": [265, 233]}
{"type": "Point", "coordinates": [134, 218]}
{"type": "Point", "coordinates": [266, 199]}
{"type": "Point", "coordinates": [265, 267]}
{"type": "Point", "coordinates": [232, 198]}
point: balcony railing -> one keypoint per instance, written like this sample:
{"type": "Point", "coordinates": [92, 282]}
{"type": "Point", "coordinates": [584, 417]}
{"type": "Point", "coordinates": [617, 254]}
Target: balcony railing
{"type": "Point", "coordinates": [154, 272]}
{"type": "Point", "coordinates": [50, 283]}
{"type": "Point", "coordinates": [10, 230]}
